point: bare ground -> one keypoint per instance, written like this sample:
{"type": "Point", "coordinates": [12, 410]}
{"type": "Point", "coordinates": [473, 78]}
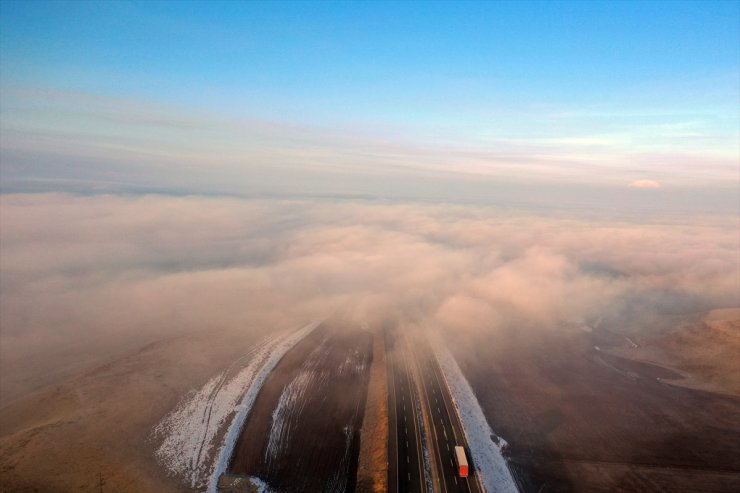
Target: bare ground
{"type": "Point", "coordinates": [372, 471]}
{"type": "Point", "coordinates": [577, 419]}
{"type": "Point", "coordinates": [302, 433]}
{"type": "Point", "coordinates": [64, 437]}
{"type": "Point", "coordinates": [703, 348]}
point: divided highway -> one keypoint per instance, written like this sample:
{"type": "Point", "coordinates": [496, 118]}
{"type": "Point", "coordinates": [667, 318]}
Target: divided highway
{"type": "Point", "coordinates": [406, 466]}
{"type": "Point", "coordinates": [446, 429]}
{"type": "Point", "coordinates": [405, 455]}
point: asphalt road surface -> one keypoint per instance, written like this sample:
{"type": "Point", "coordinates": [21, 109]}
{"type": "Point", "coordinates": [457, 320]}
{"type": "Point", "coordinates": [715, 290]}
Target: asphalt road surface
{"type": "Point", "coordinates": [405, 456]}
{"type": "Point", "coordinates": [406, 467]}
{"type": "Point", "coordinates": [446, 429]}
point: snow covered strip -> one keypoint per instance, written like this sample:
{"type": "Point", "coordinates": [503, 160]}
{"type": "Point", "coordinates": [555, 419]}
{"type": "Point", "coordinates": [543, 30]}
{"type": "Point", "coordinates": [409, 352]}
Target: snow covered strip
{"type": "Point", "coordinates": [188, 432]}
{"type": "Point", "coordinates": [487, 457]}
{"type": "Point", "coordinates": [281, 346]}
{"type": "Point", "coordinates": [424, 441]}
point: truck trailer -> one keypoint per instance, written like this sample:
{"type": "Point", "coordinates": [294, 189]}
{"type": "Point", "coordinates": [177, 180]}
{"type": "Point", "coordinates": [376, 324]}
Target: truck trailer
{"type": "Point", "coordinates": [461, 461]}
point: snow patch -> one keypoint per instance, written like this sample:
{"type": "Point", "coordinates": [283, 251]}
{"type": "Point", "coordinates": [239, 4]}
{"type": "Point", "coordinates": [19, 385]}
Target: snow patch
{"type": "Point", "coordinates": [234, 482]}
{"type": "Point", "coordinates": [354, 364]}
{"type": "Point", "coordinates": [424, 444]}
{"type": "Point", "coordinates": [312, 376]}
{"type": "Point", "coordinates": [260, 370]}
{"type": "Point", "coordinates": [291, 402]}
{"type": "Point", "coordinates": [189, 433]}
{"type": "Point", "coordinates": [486, 453]}
{"type": "Point", "coordinates": [338, 482]}
{"type": "Point", "coordinates": [261, 485]}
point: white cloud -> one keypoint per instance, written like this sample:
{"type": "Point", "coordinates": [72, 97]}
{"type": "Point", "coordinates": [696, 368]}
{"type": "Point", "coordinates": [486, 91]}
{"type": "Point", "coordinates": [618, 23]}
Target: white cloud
{"type": "Point", "coordinates": [106, 270]}
{"type": "Point", "coordinates": [647, 184]}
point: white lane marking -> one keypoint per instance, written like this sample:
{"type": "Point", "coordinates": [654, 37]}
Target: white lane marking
{"type": "Point", "coordinates": [455, 479]}
{"type": "Point", "coordinates": [445, 431]}
{"type": "Point", "coordinates": [438, 457]}
{"type": "Point", "coordinates": [452, 463]}
{"type": "Point", "coordinates": [407, 459]}
{"type": "Point", "coordinates": [439, 410]}
{"type": "Point", "coordinates": [407, 443]}
{"type": "Point", "coordinates": [448, 446]}
{"type": "Point", "coordinates": [409, 475]}
{"type": "Point", "coordinates": [444, 401]}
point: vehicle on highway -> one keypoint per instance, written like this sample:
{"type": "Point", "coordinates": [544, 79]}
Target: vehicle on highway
{"type": "Point", "coordinates": [462, 461]}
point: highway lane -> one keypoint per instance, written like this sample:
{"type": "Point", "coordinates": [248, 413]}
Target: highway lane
{"type": "Point", "coordinates": [446, 429]}
{"type": "Point", "coordinates": [405, 468]}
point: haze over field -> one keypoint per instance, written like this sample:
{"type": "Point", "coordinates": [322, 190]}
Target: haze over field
{"type": "Point", "coordinates": [180, 182]}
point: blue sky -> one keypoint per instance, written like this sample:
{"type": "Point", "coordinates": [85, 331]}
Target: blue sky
{"type": "Point", "coordinates": [356, 53]}
{"type": "Point", "coordinates": [645, 86]}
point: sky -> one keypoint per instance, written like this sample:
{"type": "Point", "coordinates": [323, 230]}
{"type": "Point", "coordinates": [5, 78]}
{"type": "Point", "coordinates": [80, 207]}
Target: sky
{"type": "Point", "coordinates": [516, 102]}
{"type": "Point", "coordinates": [169, 167]}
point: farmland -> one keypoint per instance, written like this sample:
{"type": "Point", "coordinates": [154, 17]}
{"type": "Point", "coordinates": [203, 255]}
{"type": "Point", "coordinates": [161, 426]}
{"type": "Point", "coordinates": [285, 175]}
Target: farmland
{"type": "Point", "coordinates": [302, 433]}
{"type": "Point", "coordinates": [578, 419]}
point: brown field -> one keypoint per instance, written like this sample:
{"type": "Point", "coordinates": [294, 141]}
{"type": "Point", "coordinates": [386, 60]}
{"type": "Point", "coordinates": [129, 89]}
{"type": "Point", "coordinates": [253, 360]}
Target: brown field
{"type": "Point", "coordinates": [703, 348]}
{"type": "Point", "coordinates": [66, 437]}
{"type": "Point", "coordinates": [372, 469]}
{"type": "Point", "coordinates": [302, 433]}
{"type": "Point", "coordinates": [578, 419]}
{"type": "Point", "coordinates": [662, 416]}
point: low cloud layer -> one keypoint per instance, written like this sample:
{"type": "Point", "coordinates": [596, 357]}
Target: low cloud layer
{"type": "Point", "coordinates": [82, 274]}
{"type": "Point", "coordinates": [645, 184]}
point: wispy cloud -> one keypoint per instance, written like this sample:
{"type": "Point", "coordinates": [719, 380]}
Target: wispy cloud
{"type": "Point", "coordinates": [56, 137]}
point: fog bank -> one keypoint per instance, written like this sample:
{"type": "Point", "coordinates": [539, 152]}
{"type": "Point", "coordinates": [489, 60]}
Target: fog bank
{"type": "Point", "coordinates": [82, 275]}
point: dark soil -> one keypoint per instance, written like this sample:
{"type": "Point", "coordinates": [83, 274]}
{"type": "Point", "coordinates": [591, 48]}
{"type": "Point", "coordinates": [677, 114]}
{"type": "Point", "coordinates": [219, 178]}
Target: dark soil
{"type": "Point", "coordinates": [317, 446]}
{"type": "Point", "coordinates": [576, 423]}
